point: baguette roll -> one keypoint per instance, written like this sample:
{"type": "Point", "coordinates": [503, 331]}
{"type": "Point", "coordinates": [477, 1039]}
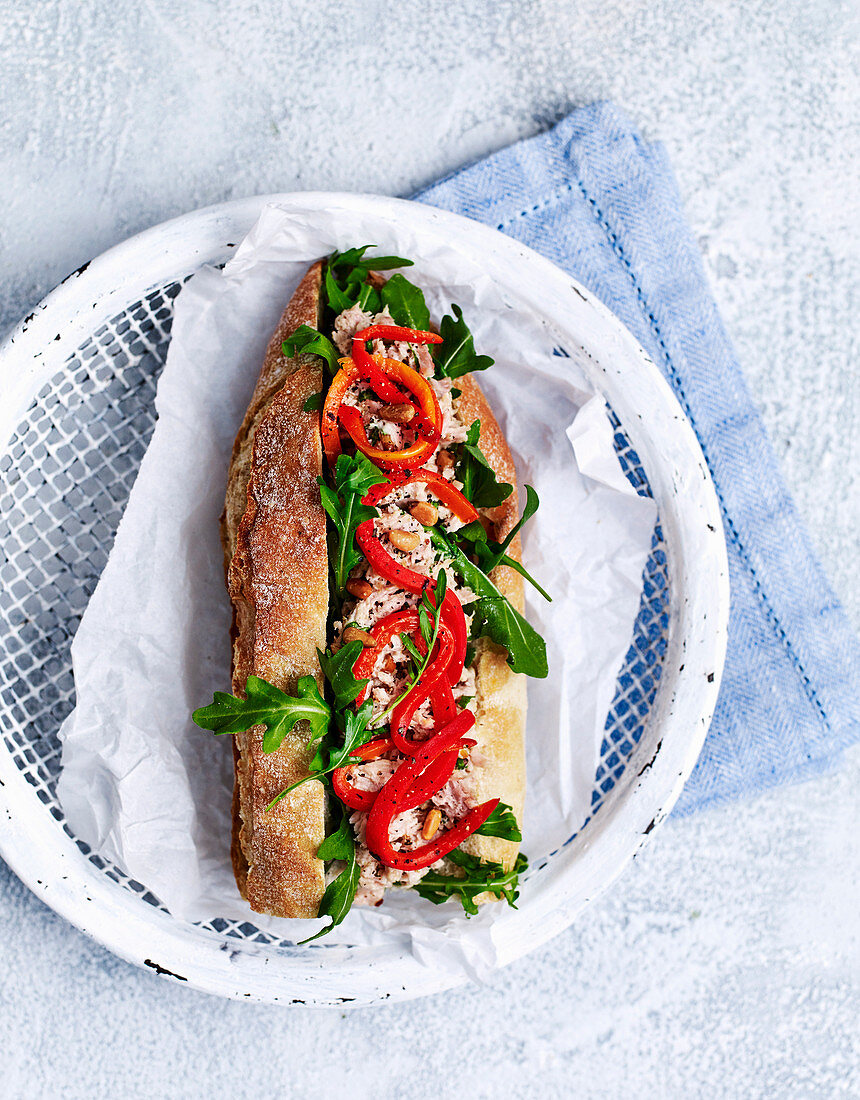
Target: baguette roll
{"type": "Point", "coordinates": [274, 540]}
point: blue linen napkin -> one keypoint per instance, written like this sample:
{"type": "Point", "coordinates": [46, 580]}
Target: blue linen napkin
{"type": "Point", "coordinates": [592, 197]}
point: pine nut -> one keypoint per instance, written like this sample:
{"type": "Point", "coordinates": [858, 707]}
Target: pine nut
{"type": "Point", "coordinates": [398, 414]}
{"type": "Point", "coordinates": [431, 824]}
{"type": "Point", "coordinates": [424, 513]}
{"type": "Point", "coordinates": [404, 540]}
{"type": "Point", "coordinates": [359, 588]}
{"type": "Point", "coordinates": [356, 634]}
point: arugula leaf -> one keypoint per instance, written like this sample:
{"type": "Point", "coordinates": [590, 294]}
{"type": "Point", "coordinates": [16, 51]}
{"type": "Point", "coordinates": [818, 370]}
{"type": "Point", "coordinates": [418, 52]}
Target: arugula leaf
{"type": "Point", "coordinates": [501, 823]}
{"type": "Point", "coordinates": [518, 567]}
{"type": "Point", "coordinates": [338, 299]}
{"type": "Point", "coordinates": [406, 303]}
{"type": "Point", "coordinates": [480, 484]}
{"type": "Point", "coordinates": [369, 299]}
{"type": "Point", "coordinates": [502, 622]}
{"type": "Point", "coordinates": [456, 355]}
{"type": "Point", "coordinates": [478, 878]}
{"type": "Point", "coordinates": [489, 554]}
{"type": "Point", "coordinates": [308, 341]}
{"type": "Point", "coordinates": [329, 754]}
{"type": "Point", "coordinates": [353, 477]}
{"type": "Point", "coordinates": [337, 669]}
{"type": "Point", "coordinates": [354, 257]}
{"type": "Point", "coordinates": [532, 505]}
{"type": "Point", "coordinates": [346, 282]}
{"type": "Point", "coordinates": [412, 650]}
{"type": "Point", "coordinates": [314, 403]}
{"type": "Point", "coordinates": [355, 735]}
{"type": "Point", "coordinates": [339, 844]}
{"type": "Point", "coordinates": [266, 705]}
{"type": "Point", "coordinates": [350, 258]}
{"type": "Point", "coordinates": [339, 895]}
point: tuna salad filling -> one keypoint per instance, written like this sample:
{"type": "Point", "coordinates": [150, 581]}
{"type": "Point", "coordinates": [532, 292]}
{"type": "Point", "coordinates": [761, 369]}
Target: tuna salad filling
{"type": "Point", "coordinates": [389, 679]}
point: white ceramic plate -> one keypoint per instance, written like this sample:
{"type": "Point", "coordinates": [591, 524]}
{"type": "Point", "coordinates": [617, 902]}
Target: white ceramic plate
{"type": "Point", "coordinates": [94, 344]}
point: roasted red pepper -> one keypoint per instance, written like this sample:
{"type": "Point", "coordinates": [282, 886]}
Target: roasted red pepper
{"type": "Point", "coordinates": [433, 779]}
{"type": "Point", "coordinates": [392, 798]}
{"type": "Point", "coordinates": [397, 333]}
{"type": "Point", "coordinates": [427, 423]}
{"type": "Point", "coordinates": [432, 679]}
{"type": "Point", "coordinates": [384, 564]}
{"type": "Point", "coordinates": [387, 566]}
{"type": "Point", "coordinates": [455, 620]}
{"type": "Point", "coordinates": [440, 487]}
{"type": "Point", "coordinates": [354, 797]}
{"type": "Point", "coordinates": [403, 622]}
{"type": "Point", "coordinates": [367, 366]}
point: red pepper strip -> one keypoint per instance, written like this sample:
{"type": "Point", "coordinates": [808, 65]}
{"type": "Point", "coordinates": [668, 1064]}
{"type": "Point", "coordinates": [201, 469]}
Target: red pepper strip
{"type": "Point", "coordinates": [404, 577]}
{"type": "Point", "coordinates": [384, 564]}
{"type": "Point", "coordinates": [444, 707]}
{"type": "Point", "coordinates": [429, 418]}
{"type": "Point", "coordinates": [382, 632]}
{"type": "Point", "coordinates": [400, 622]}
{"type": "Point", "coordinates": [404, 712]}
{"type": "Point", "coordinates": [393, 570]}
{"type": "Point", "coordinates": [391, 798]}
{"type": "Point", "coordinates": [369, 369]}
{"type": "Point", "coordinates": [435, 776]}
{"type": "Point", "coordinates": [428, 422]}
{"type": "Point", "coordinates": [398, 333]}
{"type": "Point", "coordinates": [331, 409]}
{"type": "Point", "coordinates": [455, 620]}
{"type": "Point", "coordinates": [433, 779]}
{"type": "Point", "coordinates": [354, 797]}
{"type": "Point", "coordinates": [439, 486]}
{"type": "Point", "coordinates": [415, 453]}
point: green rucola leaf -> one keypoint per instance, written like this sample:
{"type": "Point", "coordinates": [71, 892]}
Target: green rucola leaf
{"type": "Point", "coordinates": [355, 257]}
{"type": "Point", "coordinates": [501, 622]}
{"type": "Point", "coordinates": [337, 669]}
{"type": "Point", "coordinates": [406, 303]}
{"type": "Point", "coordinates": [501, 823]}
{"type": "Point", "coordinates": [266, 705]}
{"type": "Point", "coordinates": [339, 895]}
{"type": "Point", "coordinates": [329, 754]}
{"type": "Point", "coordinates": [480, 484]}
{"type": "Point", "coordinates": [369, 299]}
{"type": "Point", "coordinates": [477, 878]}
{"type": "Point", "coordinates": [339, 844]}
{"type": "Point", "coordinates": [456, 355]}
{"type": "Point", "coordinates": [337, 298]}
{"type": "Point", "coordinates": [348, 259]}
{"type": "Point", "coordinates": [307, 341]}
{"type": "Point", "coordinates": [353, 477]}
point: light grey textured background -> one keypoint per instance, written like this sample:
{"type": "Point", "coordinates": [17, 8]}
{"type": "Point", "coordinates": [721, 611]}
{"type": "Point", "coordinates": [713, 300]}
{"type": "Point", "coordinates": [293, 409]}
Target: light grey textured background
{"type": "Point", "coordinates": [727, 960]}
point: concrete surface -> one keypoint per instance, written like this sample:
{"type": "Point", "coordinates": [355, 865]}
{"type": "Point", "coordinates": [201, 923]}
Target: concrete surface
{"type": "Point", "coordinates": [727, 960]}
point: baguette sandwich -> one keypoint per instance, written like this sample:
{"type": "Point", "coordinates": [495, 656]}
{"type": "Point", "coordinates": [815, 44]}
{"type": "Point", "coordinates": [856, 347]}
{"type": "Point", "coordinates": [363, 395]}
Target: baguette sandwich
{"type": "Point", "coordinates": [372, 553]}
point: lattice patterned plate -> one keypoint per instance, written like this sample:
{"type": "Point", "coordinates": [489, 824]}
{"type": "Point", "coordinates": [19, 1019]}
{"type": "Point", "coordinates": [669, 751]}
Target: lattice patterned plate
{"type": "Point", "coordinates": [78, 379]}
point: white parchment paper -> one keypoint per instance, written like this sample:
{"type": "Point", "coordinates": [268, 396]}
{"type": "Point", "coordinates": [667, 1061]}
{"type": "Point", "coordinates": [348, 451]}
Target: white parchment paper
{"type": "Point", "coordinates": [147, 789]}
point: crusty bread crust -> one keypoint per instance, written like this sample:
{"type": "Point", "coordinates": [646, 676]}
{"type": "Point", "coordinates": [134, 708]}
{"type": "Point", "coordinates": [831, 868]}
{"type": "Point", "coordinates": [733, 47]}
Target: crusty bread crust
{"type": "Point", "coordinates": [274, 537]}
{"type": "Point", "coordinates": [500, 718]}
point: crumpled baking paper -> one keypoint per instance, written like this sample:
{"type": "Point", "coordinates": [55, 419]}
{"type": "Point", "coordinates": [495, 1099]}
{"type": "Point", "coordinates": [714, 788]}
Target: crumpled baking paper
{"type": "Point", "coordinates": [150, 791]}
